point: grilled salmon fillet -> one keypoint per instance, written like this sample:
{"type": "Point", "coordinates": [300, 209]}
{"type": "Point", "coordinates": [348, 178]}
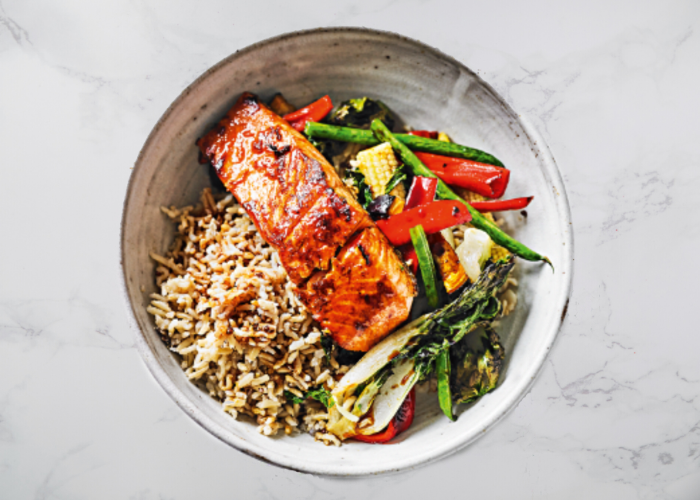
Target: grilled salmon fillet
{"type": "Point", "coordinates": [302, 208]}
{"type": "Point", "coordinates": [365, 287]}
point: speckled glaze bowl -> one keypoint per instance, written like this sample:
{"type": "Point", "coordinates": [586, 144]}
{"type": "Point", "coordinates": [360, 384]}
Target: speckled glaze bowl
{"type": "Point", "coordinates": [428, 90]}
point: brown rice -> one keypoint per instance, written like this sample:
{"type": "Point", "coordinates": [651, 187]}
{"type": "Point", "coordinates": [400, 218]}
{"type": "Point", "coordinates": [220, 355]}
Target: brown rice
{"type": "Point", "coordinates": [228, 309]}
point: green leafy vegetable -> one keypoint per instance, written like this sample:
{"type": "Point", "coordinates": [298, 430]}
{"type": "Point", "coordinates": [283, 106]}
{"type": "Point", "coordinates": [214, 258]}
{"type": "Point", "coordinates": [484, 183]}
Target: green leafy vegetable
{"type": "Point", "coordinates": [320, 394]}
{"type": "Point", "coordinates": [399, 175]}
{"type": "Point", "coordinates": [474, 374]}
{"type": "Point", "coordinates": [364, 193]}
{"type": "Point", "coordinates": [359, 113]}
{"type": "Point", "coordinates": [293, 398]}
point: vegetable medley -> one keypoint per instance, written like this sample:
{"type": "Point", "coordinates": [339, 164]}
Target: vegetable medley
{"type": "Point", "coordinates": [416, 186]}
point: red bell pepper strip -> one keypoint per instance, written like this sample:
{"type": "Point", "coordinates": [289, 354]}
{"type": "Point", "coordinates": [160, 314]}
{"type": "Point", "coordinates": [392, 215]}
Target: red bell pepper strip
{"type": "Point", "coordinates": [434, 217]}
{"type": "Point", "coordinates": [401, 421]}
{"type": "Point", "coordinates": [422, 192]}
{"type": "Point", "coordinates": [428, 134]}
{"type": "Point", "coordinates": [486, 180]}
{"type": "Point", "coordinates": [314, 112]}
{"type": "Point", "coordinates": [500, 205]}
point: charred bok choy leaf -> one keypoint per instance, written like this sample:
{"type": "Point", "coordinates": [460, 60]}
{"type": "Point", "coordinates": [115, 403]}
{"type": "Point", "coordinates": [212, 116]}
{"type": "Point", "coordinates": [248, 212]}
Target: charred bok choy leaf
{"type": "Point", "coordinates": [355, 114]}
{"type": "Point", "coordinates": [409, 354]}
{"type": "Point", "coordinates": [474, 374]}
{"type": "Point", "coordinates": [359, 113]}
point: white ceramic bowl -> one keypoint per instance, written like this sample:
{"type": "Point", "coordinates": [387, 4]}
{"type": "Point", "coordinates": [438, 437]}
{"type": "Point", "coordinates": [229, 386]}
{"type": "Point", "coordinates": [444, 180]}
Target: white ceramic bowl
{"type": "Point", "coordinates": [428, 90]}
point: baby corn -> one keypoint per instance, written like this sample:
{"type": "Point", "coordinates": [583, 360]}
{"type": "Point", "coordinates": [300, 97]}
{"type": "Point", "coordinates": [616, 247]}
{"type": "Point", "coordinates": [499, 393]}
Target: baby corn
{"type": "Point", "coordinates": [378, 165]}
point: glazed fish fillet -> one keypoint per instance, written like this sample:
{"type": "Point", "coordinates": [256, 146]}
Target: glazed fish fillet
{"type": "Point", "coordinates": [301, 207]}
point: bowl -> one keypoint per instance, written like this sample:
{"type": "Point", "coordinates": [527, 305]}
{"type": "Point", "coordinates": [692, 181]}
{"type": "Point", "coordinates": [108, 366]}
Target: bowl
{"type": "Point", "coordinates": [426, 89]}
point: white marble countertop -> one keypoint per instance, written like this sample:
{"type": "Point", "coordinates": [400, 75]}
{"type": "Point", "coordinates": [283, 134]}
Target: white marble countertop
{"type": "Point", "coordinates": [613, 87]}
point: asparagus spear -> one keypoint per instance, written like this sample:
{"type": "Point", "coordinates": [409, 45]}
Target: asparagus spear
{"type": "Point", "coordinates": [347, 134]}
{"type": "Point", "coordinates": [443, 191]}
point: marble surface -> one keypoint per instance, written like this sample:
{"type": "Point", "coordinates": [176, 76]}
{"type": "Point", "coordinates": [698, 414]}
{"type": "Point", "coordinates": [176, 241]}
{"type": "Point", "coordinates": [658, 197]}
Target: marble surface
{"type": "Point", "coordinates": [612, 86]}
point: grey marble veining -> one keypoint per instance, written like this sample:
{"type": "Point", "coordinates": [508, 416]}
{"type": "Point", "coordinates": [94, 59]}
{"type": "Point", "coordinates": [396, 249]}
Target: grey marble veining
{"type": "Point", "coordinates": [612, 86]}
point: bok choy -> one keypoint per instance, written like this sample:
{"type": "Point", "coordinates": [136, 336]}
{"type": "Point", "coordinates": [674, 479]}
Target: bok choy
{"type": "Point", "coordinates": [372, 391]}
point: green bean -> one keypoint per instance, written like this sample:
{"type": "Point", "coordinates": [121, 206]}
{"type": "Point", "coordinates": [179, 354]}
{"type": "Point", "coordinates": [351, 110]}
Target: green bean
{"type": "Point", "coordinates": [360, 136]}
{"type": "Point", "coordinates": [426, 264]}
{"type": "Point", "coordinates": [443, 191]}
{"type": "Point", "coordinates": [442, 370]}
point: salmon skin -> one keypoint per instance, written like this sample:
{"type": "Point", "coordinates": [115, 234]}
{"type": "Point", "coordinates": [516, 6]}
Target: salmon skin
{"type": "Point", "coordinates": [301, 207]}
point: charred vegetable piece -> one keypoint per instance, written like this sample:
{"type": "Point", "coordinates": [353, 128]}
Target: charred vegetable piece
{"type": "Point", "coordinates": [447, 261]}
{"type": "Point", "coordinates": [444, 192]}
{"type": "Point", "coordinates": [359, 113]}
{"type": "Point", "coordinates": [481, 178]}
{"type": "Point", "coordinates": [400, 422]}
{"type": "Point", "coordinates": [348, 134]}
{"type": "Point", "coordinates": [279, 105]}
{"type": "Point", "coordinates": [380, 206]}
{"type": "Point", "coordinates": [426, 264]}
{"type": "Point", "coordinates": [474, 374]}
{"type": "Point", "coordinates": [501, 205]}
{"type": "Point", "coordinates": [312, 113]}
{"type": "Point", "coordinates": [422, 191]}
{"type": "Point", "coordinates": [434, 217]}
{"type": "Point", "coordinates": [442, 372]}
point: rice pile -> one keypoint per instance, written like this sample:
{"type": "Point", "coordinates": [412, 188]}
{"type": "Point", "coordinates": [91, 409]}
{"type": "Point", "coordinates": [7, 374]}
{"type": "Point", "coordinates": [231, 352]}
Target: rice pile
{"type": "Point", "coordinates": [227, 307]}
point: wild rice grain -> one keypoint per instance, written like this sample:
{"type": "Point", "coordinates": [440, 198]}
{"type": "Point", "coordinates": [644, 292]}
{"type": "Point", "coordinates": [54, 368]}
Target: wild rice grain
{"type": "Point", "coordinates": [228, 310]}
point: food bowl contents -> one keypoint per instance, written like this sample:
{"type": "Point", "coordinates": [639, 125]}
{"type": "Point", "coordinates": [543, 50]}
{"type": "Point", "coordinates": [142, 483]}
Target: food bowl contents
{"type": "Point", "coordinates": [289, 299]}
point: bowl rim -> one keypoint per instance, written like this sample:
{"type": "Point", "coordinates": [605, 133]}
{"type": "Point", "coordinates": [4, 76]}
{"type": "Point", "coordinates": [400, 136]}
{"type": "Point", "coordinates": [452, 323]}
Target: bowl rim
{"type": "Point", "coordinates": [562, 301]}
